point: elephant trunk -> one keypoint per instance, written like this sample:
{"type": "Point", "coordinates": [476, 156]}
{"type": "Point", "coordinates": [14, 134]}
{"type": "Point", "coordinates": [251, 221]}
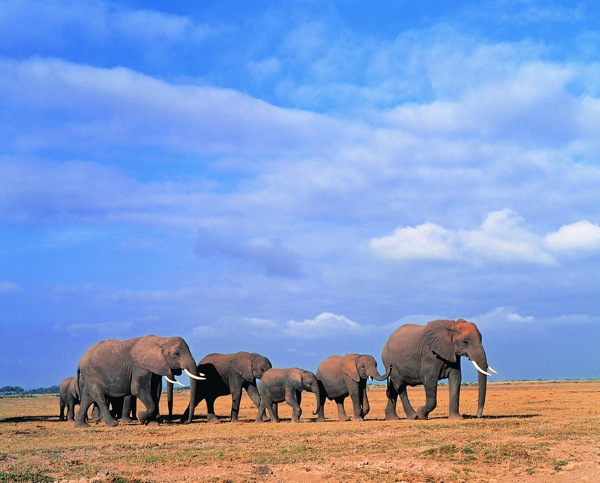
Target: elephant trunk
{"type": "Point", "coordinates": [380, 377]}
{"type": "Point", "coordinates": [318, 394]}
{"type": "Point", "coordinates": [481, 365]}
{"type": "Point", "coordinates": [482, 380]}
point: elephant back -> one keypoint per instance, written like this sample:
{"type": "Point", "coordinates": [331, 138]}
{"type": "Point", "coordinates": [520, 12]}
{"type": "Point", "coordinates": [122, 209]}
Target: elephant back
{"type": "Point", "coordinates": [330, 376]}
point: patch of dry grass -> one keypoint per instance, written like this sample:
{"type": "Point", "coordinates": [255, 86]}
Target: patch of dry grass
{"type": "Point", "coordinates": [538, 431]}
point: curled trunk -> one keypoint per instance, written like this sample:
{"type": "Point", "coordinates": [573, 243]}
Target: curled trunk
{"type": "Point", "coordinates": [382, 377]}
{"type": "Point", "coordinates": [318, 394]}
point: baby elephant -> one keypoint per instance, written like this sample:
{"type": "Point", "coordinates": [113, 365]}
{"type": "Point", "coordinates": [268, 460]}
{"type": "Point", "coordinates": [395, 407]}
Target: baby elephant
{"type": "Point", "coordinates": [343, 376]}
{"type": "Point", "coordinates": [278, 385]}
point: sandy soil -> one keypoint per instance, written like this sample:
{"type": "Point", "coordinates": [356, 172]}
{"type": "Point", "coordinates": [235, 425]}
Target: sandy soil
{"type": "Point", "coordinates": [532, 432]}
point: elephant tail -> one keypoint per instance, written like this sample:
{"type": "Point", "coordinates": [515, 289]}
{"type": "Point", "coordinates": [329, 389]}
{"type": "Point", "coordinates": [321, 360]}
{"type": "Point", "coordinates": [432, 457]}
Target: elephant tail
{"type": "Point", "coordinates": [77, 391]}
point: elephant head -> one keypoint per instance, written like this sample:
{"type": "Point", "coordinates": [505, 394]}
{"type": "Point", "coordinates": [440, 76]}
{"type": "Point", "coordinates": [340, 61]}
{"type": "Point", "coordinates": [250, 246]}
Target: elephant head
{"type": "Point", "coordinates": [167, 357]}
{"type": "Point", "coordinates": [359, 367]}
{"type": "Point", "coordinates": [452, 339]}
{"type": "Point", "coordinates": [307, 381]}
{"type": "Point", "coordinates": [252, 367]}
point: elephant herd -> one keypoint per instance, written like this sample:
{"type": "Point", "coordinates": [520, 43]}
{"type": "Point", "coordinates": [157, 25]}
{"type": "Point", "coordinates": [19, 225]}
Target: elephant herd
{"type": "Point", "coordinates": [113, 374]}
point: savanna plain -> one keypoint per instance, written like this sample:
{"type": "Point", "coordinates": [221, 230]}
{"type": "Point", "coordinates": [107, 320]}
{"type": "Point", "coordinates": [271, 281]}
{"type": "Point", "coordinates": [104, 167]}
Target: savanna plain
{"type": "Point", "coordinates": [531, 431]}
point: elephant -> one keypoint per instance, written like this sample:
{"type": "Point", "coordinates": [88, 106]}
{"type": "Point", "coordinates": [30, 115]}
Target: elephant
{"type": "Point", "coordinates": [279, 385]}
{"type": "Point", "coordinates": [69, 397]}
{"type": "Point", "coordinates": [226, 374]}
{"type": "Point", "coordinates": [343, 376]}
{"type": "Point", "coordinates": [115, 368]}
{"type": "Point", "coordinates": [424, 354]}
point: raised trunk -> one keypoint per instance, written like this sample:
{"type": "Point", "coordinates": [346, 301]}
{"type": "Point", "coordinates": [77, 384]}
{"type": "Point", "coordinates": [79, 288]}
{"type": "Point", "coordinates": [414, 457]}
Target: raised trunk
{"type": "Point", "coordinates": [380, 377]}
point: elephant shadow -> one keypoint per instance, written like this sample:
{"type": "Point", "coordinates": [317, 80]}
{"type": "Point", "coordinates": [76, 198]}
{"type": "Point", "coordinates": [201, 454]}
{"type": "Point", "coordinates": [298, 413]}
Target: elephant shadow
{"type": "Point", "coordinates": [31, 419]}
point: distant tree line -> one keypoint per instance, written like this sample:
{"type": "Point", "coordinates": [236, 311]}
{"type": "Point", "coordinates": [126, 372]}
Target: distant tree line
{"type": "Point", "coordinates": [19, 391]}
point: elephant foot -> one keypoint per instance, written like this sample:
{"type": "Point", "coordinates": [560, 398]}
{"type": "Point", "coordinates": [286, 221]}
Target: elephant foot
{"type": "Point", "coordinates": [455, 416]}
{"type": "Point", "coordinates": [112, 423]}
{"type": "Point", "coordinates": [422, 415]}
{"type": "Point", "coordinates": [211, 418]}
{"type": "Point", "coordinates": [152, 423]}
{"type": "Point", "coordinates": [412, 416]}
{"type": "Point", "coordinates": [358, 419]}
{"type": "Point", "coordinates": [81, 424]}
{"type": "Point", "coordinates": [391, 417]}
{"type": "Point", "coordinates": [126, 420]}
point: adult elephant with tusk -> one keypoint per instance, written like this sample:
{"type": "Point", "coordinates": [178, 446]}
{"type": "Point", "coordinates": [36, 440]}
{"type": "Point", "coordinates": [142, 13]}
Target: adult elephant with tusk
{"type": "Point", "coordinates": [424, 354]}
{"type": "Point", "coordinates": [343, 376]}
{"type": "Point", "coordinates": [116, 368]}
{"type": "Point", "coordinates": [225, 374]}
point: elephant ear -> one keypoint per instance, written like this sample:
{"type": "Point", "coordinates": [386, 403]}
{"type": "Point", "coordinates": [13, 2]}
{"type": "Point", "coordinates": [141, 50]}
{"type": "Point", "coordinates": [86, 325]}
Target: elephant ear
{"type": "Point", "coordinates": [348, 366]}
{"type": "Point", "coordinates": [296, 380]}
{"type": "Point", "coordinates": [147, 353]}
{"type": "Point", "coordinates": [243, 367]}
{"type": "Point", "coordinates": [438, 336]}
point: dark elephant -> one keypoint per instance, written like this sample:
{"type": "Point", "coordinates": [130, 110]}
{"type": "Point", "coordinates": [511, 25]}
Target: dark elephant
{"type": "Point", "coordinates": [343, 376]}
{"type": "Point", "coordinates": [118, 368]}
{"type": "Point", "coordinates": [121, 408]}
{"type": "Point", "coordinates": [226, 374]}
{"type": "Point", "coordinates": [279, 385]}
{"type": "Point", "coordinates": [69, 398]}
{"type": "Point", "coordinates": [424, 354]}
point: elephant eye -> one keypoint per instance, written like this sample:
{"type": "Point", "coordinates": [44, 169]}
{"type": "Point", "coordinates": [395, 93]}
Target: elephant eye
{"type": "Point", "coordinates": [465, 342]}
{"type": "Point", "coordinates": [177, 354]}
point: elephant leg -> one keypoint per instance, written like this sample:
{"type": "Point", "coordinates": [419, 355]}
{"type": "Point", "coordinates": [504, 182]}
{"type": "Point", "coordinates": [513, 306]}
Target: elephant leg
{"type": "Point", "coordinates": [150, 414]}
{"type": "Point", "coordinates": [236, 396]}
{"type": "Point", "coordinates": [392, 395]}
{"type": "Point", "coordinates": [273, 410]}
{"type": "Point", "coordinates": [261, 413]}
{"type": "Point", "coordinates": [81, 416]}
{"type": "Point", "coordinates": [71, 412]}
{"type": "Point", "coordinates": [126, 410]}
{"type": "Point", "coordinates": [211, 417]}
{"type": "Point", "coordinates": [454, 381]}
{"type": "Point", "coordinates": [102, 403]}
{"type": "Point", "coordinates": [406, 405]}
{"type": "Point", "coordinates": [293, 398]}
{"type": "Point", "coordinates": [355, 396]}
{"type": "Point", "coordinates": [430, 399]}
{"type": "Point", "coordinates": [339, 401]}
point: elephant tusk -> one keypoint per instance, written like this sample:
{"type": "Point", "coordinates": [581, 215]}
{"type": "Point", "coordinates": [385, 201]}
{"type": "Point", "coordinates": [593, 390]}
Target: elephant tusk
{"type": "Point", "coordinates": [199, 377]}
{"type": "Point", "coordinates": [173, 382]}
{"type": "Point", "coordinates": [480, 369]}
{"type": "Point", "coordinates": [492, 370]}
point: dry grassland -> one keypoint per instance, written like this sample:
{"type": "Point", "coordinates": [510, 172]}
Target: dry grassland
{"type": "Point", "coordinates": [532, 431]}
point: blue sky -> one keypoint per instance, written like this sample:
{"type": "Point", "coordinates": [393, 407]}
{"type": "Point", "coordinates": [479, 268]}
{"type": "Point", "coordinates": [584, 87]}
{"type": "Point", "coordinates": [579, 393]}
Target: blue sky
{"type": "Point", "coordinates": [299, 178]}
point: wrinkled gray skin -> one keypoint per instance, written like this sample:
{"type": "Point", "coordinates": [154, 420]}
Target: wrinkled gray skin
{"type": "Point", "coordinates": [117, 368]}
{"type": "Point", "coordinates": [69, 398]}
{"type": "Point", "coordinates": [225, 374]}
{"type": "Point", "coordinates": [424, 354]}
{"type": "Point", "coordinates": [343, 376]}
{"type": "Point", "coordinates": [279, 385]}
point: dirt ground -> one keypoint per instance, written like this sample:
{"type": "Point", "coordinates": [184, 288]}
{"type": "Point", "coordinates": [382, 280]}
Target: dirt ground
{"type": "Point", "coordinates": [532, 432]}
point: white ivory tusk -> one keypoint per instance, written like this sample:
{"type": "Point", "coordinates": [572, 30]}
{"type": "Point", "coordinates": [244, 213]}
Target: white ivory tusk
{"type": "Point", "coordinates": [480, 369]}
{"type": "Point", "coordinates": [200, 377]}
{"type": "Point", "coordinates": [173, 382]}
{"type": "Point", "coordinates": [492, 370]}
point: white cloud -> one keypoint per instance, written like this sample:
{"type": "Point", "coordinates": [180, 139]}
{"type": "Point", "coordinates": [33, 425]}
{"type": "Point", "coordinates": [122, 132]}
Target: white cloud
{"type": "Point", "coordinates": [501, 316]}
{"type": "Point", "coordinates": [576, 238]}
{"type": "Point", "coordinates": [325, 324]}
{"type": "Point", "coordinates": [501, 238]}
{"type": "Point", "coordinates": [427, 242]}
{"type": "Point", "coordinates": [9, 287]}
